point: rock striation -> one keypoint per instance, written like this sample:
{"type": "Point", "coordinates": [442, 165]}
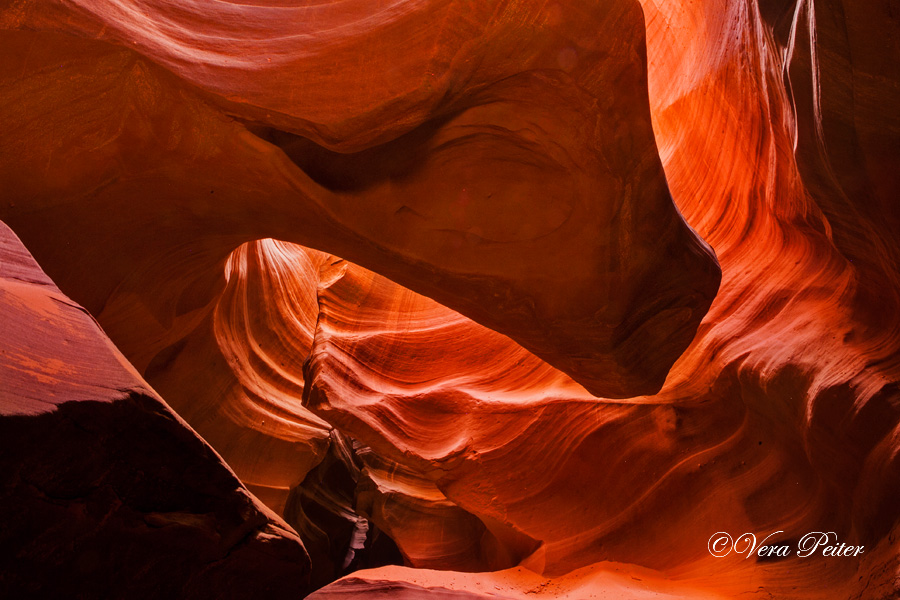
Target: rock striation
{"type": "Point", "coordinates": [105, 491]}
{"type": "Point", "coordinates": [442, 271]}
{"type": "Point", "coordinates": [493, 171]}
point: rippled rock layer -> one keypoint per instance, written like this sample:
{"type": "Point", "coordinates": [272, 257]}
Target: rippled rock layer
{"type": "Point", "coordinates": [105, 492]}
{"type": "Point", "coordinates": [443, 272]}
{"type": "Point", "coordinates": [508, 170]}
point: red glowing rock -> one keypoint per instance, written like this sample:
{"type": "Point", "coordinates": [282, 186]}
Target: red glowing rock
{"type": "Point", "coordinates": [105, 492]}
{"type": "Point", "coordinates": [498, 174]}
{"type": "Point", "coordinates": [498, 160]}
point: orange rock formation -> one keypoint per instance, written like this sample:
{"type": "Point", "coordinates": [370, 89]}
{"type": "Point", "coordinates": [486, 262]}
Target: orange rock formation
{"type": "Point", "coordinates": [105, 491]}
{"type": "Point", "coordinates": [526, 373]}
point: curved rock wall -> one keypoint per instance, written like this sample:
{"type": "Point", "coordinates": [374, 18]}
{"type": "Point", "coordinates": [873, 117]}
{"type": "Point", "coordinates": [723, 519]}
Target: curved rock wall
{"type": "Point", "coordinates": [105, 491]}
{"type": "Point", "coordinates": [507, 181]}
{"type": "Point", "coordinates": [572, 391]}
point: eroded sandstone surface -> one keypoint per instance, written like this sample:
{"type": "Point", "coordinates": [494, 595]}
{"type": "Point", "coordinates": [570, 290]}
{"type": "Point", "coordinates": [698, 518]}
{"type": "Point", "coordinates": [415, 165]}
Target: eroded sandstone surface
{"type": "Point", "coordinates": [508, 170]}
{"type": "Point", "coordinates": [437, 279]}
{"type": "Point", "coordinates": [104, 491]}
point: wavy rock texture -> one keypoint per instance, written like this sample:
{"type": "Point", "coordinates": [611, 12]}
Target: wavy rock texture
{"type": "Point", "coordinates": [497, 158]}
{"type": "Point", "coordinates": [493, 169]}
{"type": "Point", "coordinates": [105, 492]}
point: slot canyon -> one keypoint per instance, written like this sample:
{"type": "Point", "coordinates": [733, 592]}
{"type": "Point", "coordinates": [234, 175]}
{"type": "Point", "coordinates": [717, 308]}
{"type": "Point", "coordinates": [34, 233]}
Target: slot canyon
{"type": "Point", "coordinates": [450, 299]}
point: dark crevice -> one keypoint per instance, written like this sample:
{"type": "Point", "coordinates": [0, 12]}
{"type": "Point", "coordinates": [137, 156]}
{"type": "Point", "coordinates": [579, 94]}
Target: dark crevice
{"type": "Point", "coordinates": [356, 171]}
{"type": "Point", "coordinates": [323, 510]}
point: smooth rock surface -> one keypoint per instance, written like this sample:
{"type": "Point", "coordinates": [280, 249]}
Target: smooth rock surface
{"type": "Point", "coordinates": [511, 174]}
{"type": "Point", "coordinates": [497, 159]}
{"type": "Point", "coordinates": [104, 491]}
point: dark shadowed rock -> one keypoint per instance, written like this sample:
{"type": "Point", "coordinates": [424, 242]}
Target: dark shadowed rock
{"type": "Point", "coordinates": [104, 491]}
